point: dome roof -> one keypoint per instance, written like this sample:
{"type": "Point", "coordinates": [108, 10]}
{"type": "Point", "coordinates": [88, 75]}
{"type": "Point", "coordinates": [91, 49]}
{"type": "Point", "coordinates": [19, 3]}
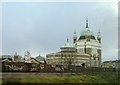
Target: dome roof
{"type": "Point", "coordinates": [67, 45]}
{"type": "Point", "coordinates": [86, 32]}
{"type": "Point", "coordinates": [40, 58]}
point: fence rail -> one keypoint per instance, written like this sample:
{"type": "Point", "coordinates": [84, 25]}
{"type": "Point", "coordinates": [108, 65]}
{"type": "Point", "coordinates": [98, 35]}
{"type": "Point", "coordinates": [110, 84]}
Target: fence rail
{"type": "Point", "coordinates": [46, 68]}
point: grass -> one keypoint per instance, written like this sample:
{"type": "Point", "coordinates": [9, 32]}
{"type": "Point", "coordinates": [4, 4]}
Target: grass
{"type": "Point", "coordinates": [82, 78]}
{"type": "Point", "coordinates": [0, 80]}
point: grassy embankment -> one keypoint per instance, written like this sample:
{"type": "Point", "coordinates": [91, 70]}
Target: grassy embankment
{"type": "Point", "coordinates": [81, 78]}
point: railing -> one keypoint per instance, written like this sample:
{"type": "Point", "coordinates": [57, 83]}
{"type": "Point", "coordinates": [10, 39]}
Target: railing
{"type": "Point", "coordinates": [50, 69]}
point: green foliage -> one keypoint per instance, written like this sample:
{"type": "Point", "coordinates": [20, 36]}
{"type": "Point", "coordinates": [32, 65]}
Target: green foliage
{"type": "Point", "coordinates": [10, 80]}
{"type": "Point", "coordinates": [81, 78]}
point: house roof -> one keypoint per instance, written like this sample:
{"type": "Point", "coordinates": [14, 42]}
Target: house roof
{"type": "Point", "coordinates": [40, 58]}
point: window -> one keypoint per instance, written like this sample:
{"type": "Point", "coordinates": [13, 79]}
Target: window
{"type": "Point", "coordinates": [81, 50]}
{"type": "Point", "coordinates": [94, 51]}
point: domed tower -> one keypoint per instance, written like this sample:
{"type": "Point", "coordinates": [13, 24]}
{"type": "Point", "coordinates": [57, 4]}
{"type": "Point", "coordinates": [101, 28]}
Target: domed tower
{"type": "Point", "coordinates": [67, 47]}
{"type": "Point", "coordinates": [87, 33]}
{"type": "Point", "coordinates": [27, 57]}
{"type": "Point", "coordinates": [74, 37]}
{"type": "Point", "coordinates": [99, 50]}
{"type": "Point", "coordinates": [99, 37]}
{"type": "Point", "coordinates": [16, 57]}
{"type": "Point", "coordinates": [88, 44]}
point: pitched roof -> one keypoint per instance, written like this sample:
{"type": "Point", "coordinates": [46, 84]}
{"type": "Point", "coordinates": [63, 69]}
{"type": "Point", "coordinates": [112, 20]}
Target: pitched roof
{"type": "Point", "coordinates": [6, 60]}
{"type": "Point", "coordinates": [33, 60]}
{"type": "Point", "coordinates": [40, 58]}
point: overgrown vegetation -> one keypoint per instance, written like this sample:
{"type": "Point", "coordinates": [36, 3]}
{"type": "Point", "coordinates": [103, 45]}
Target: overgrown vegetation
{"type": "Point", "coordinates": [103, 77]}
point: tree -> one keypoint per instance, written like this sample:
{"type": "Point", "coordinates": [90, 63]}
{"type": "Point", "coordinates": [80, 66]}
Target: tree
{"type": "Point", "coordinates": [68, 60]}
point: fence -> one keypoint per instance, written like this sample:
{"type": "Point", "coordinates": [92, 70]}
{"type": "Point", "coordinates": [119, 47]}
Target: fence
{"type": "Point", "coordinates": [47, 68]}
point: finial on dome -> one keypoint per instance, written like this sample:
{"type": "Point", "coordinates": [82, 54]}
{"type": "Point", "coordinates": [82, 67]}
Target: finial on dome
{"type": "Point", "coordinates": [99, 33]}
{"type": "Point", "coordinates": [75, 34]}
{"type": "Point", "coordinates": [74, 37]}
{"type": "Point", "coordinates": [87, 22]}
{"type": "Point", "coordinates": [67, 40]}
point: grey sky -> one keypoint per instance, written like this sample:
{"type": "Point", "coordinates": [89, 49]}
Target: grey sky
{"type": "Point", "coordinates": [43, 27]}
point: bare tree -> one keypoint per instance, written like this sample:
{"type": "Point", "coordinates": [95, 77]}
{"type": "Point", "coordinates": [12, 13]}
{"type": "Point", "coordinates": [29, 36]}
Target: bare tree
{"type": "Point", "coordinates": [68, 61]}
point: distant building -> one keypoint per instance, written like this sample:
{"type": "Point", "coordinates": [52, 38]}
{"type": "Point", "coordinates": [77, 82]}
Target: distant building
{"type": "Point", "coordinates": [85, 51]}
{"type": "Point", "coordinates": [87, 43]}
{"type": "Point", "coordinates": [17, 58]}
{"type": "Point", "coordinates": [40, 59]}
{"type": "Point", "coordinates": [68, 56]}
{"type": "Point", "coordinates": [111, 64]}
{"type": "Point", "coordinates": [18, 63]}
{"type": "Point", "coordinates": [6, 56]}
{"type": "Point", "coordinates": [27, 57]}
